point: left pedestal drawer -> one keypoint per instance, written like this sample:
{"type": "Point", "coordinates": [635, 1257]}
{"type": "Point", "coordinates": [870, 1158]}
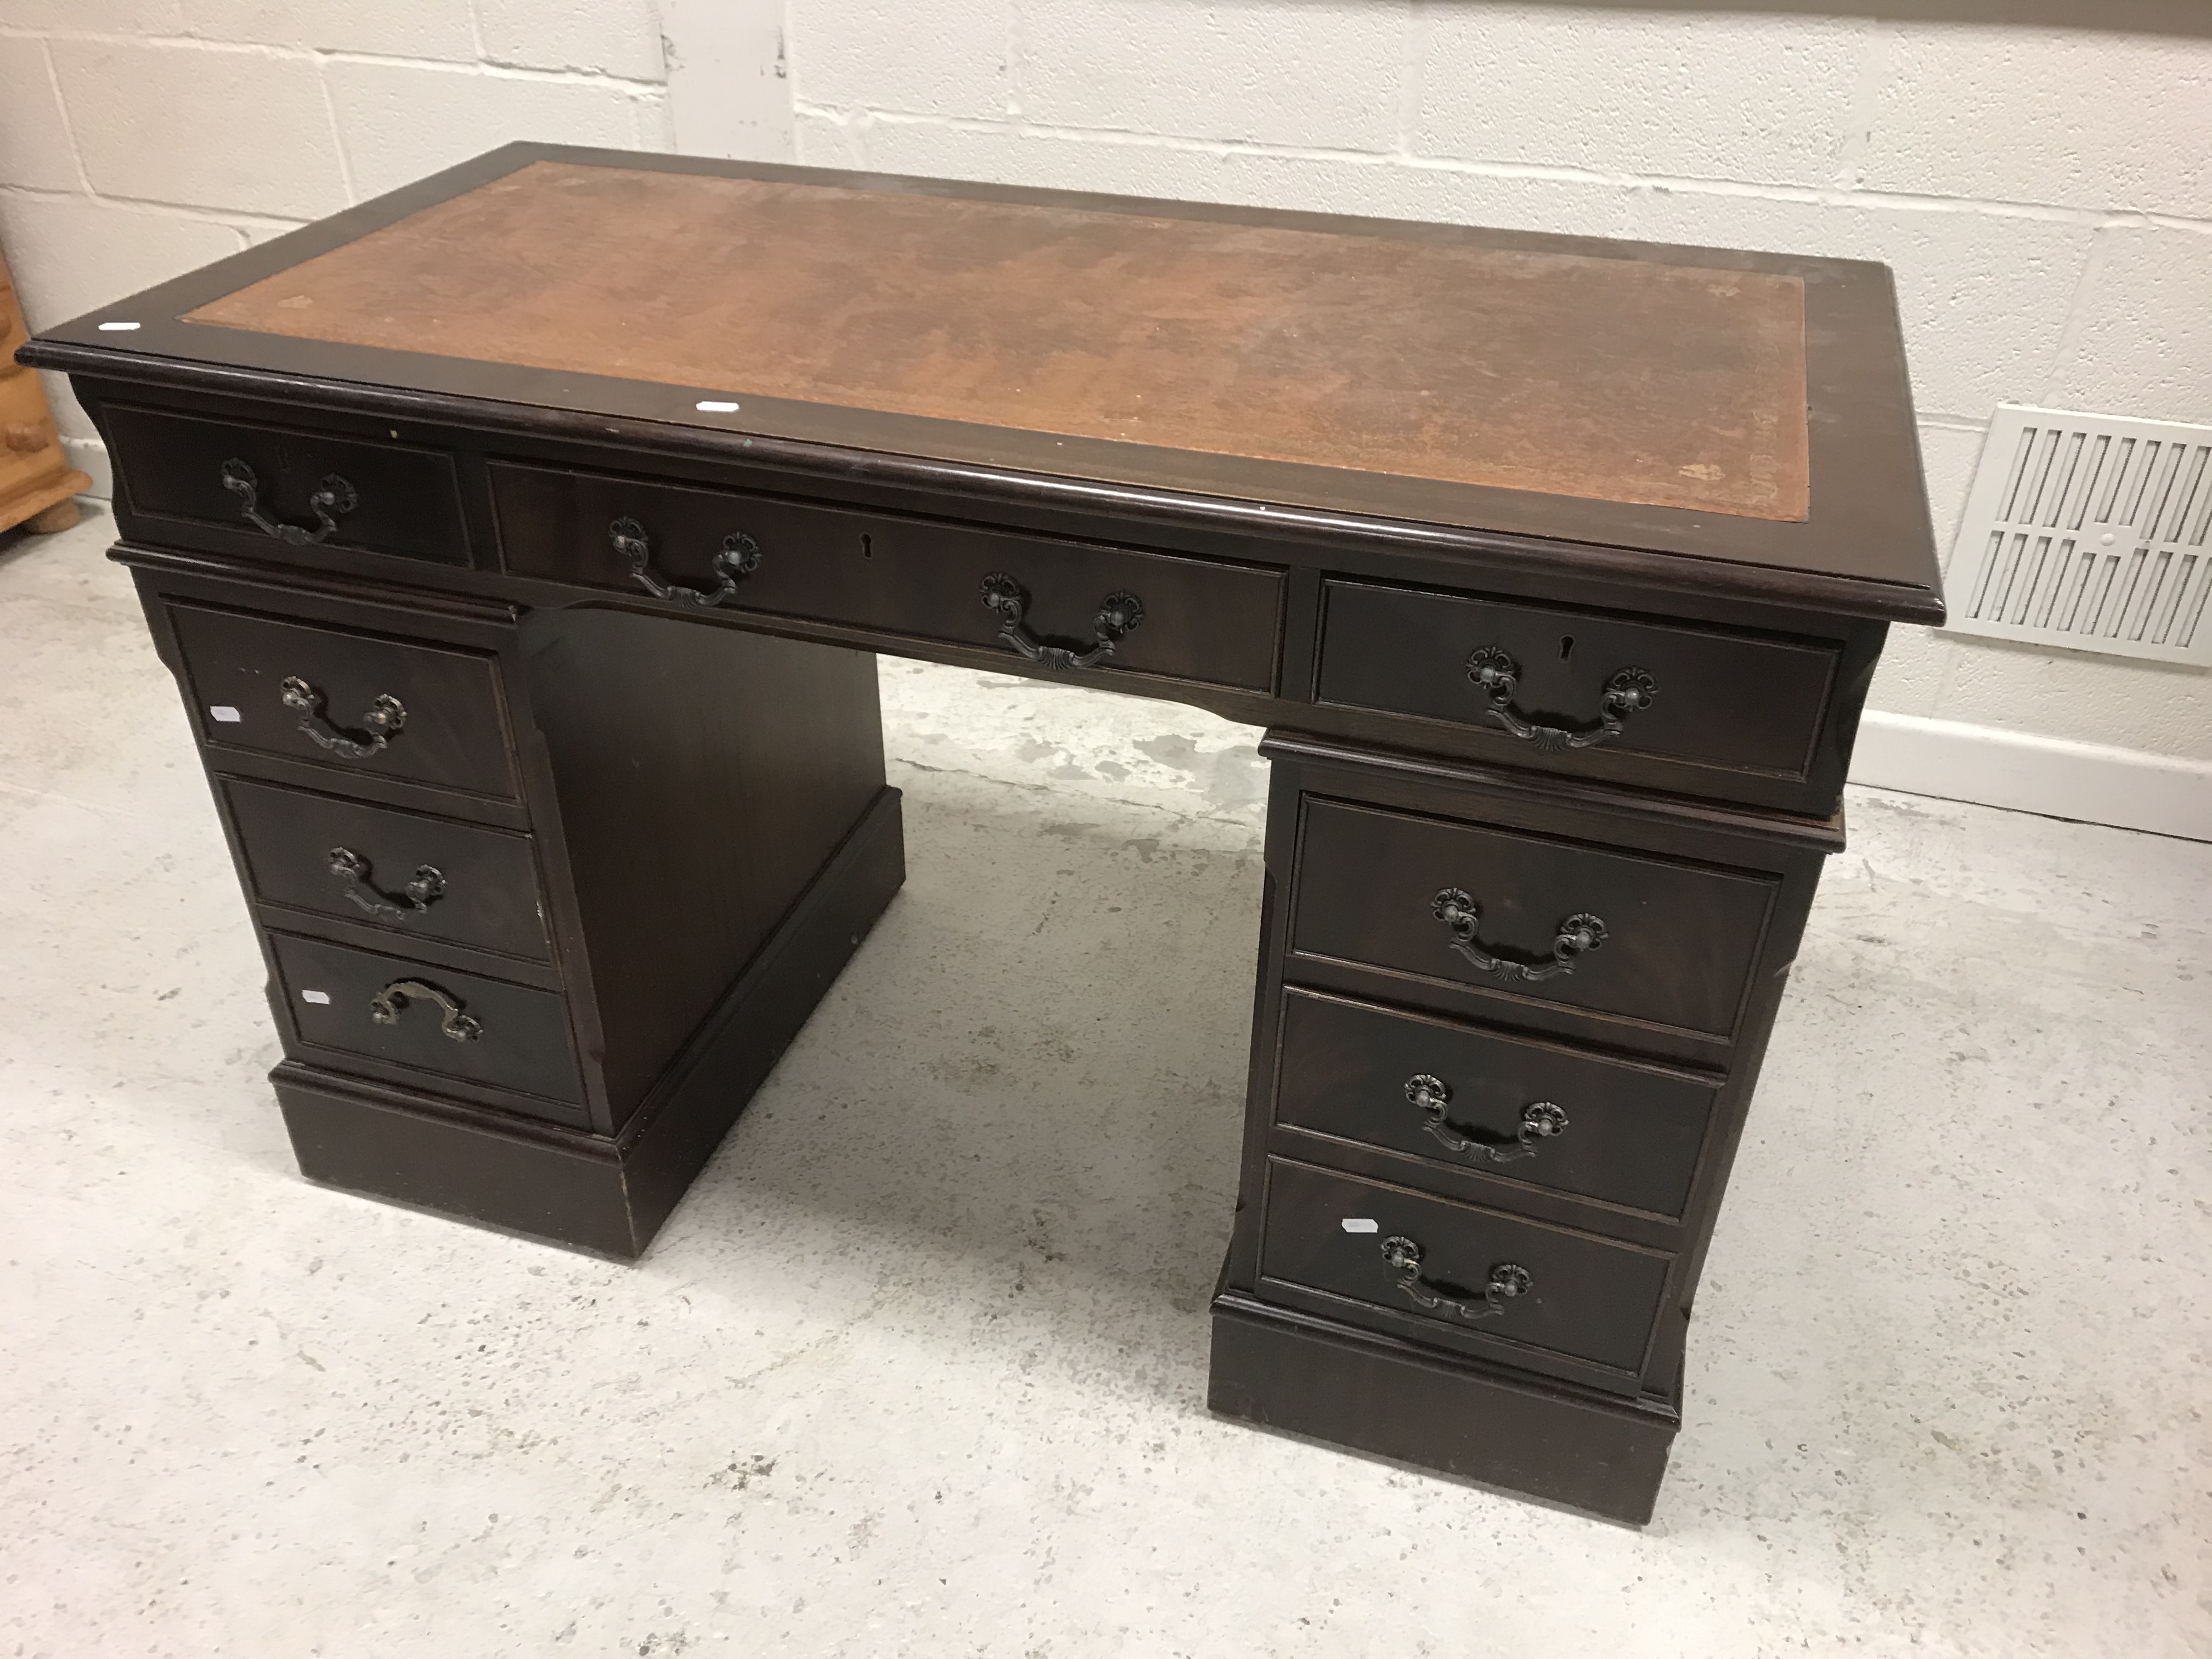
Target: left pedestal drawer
{"type": "Point", "coordinates": [354, 703]}
{"type": "Point", "coordinates": [432, 1020]}
{"type": "Point", "coordinates": [419, 876]}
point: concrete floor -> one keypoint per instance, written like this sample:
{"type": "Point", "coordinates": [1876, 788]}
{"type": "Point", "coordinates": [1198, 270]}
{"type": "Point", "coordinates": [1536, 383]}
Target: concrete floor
{"type": "Point", "coordinates": [919, 1366]}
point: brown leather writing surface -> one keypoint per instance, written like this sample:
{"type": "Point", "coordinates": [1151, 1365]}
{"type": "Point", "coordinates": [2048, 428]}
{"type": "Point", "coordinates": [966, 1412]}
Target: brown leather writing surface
{"type": "Point", "coordinates": [1614, 379]}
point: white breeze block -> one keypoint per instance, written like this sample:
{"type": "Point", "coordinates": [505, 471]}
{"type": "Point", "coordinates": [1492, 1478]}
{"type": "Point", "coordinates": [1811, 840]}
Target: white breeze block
{"type": "Point", "coordinates": [410, 28]}
{"type": "Point", "coordinates": [2074, 117]}
{"type": "Point", "coordinates": [34, 143]}
{"type": "Point", "coordinates": [602, 37]}
{"type": "Point", "coordinates": [1315, 75]}
{"type": "Point", "coordinates": [2159, 707]}
{"type": "Point", "coordinates": [1674, 94]}
{"type": "Point", "coordinates": [402, 121]}
{"type": "Point", "coordinates": [70, 255]}
{"type": "Point", "coordinates": [202, 126]}
{"type": "Point", "coordinates": [945, 58]}
{"type": "Point", "coordinates": [2143, 337]}
{"type": "Point", "coordinates": [1984, 298]}
{"type": "Point", "coordinates": [96, 16]}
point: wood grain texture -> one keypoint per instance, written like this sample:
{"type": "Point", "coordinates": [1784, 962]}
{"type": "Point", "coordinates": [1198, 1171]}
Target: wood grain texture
{"type": "Point", "coordinates": [1629, 380]}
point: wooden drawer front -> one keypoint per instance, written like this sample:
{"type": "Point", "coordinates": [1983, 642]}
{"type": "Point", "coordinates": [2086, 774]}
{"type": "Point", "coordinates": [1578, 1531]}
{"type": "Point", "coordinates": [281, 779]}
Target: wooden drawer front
{"type": "Point", "coordinates": [1527, 1110]}
{"type": "Point", "coordinates": [422, 878]}
{"type": "Point", "coordinates": [521, 1039]}
{"type": "Point", "coordinates": [1738, 701]}
{"type": "Point", "coordinates": [1585, 1298]}
{"type": "Point", "coordinates": [451, 732]}
{"type": "Point", "coordinates": [405, 501]}
{"type": "Point", "coordinates": [1203, 620]}
{"type": "Point", "coordinates": [1680, 939]}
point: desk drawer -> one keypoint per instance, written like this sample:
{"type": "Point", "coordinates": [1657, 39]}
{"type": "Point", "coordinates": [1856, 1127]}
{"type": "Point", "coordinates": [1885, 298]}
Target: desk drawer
{"type": "Point", "coordinates": [353, 702]}
{"type": "Point", "coordinates": [310, 489]}
{"type": "Point", "coordinates": [1714, 698]}
{"type": "Point", "coordinates": [1518, 1108]}
{"type": "Point", "coordinates": [1430, 1263]}
{"type": "Point", "coordinates": [1202, 619]}
{"type": "Point", "coordinates": [422, 878]}
{"type": "Point", "coordinates": [390, 1009]}
{"type": "Point", "coordinates": [1446, 902]}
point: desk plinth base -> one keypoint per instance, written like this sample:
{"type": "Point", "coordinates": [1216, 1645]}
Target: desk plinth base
{"type": "Point", "coordinates": [1553, 1442]}
{"type": "Point", "coordinates": [606, 1196]}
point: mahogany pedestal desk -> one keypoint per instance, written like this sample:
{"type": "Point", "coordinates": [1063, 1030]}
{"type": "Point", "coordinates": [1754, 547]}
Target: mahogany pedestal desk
{"type": "Point", "coordinates": [520, 541]}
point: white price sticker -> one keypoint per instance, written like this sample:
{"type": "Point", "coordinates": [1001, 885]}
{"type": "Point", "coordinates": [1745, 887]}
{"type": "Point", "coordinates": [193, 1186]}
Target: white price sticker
{"type": "Point", "coordinates": [324, 996]}
{"type": "Point", "coordinates": [1359, 1223]}
{"type": "Point", "coordinates": [223, 713]}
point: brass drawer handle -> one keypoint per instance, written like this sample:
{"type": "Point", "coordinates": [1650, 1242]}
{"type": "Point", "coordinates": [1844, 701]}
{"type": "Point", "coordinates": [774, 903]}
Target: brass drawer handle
{"type": "Point", "coordinates": [384, 1007]}
{"type": "Point", "coordinates": [1120, 615]}
{"type": "Point", "coordinates": [738, 557]}
{"type": "Point", "coordinates": [1579, 933]}
{"type": "Point", "coordinates": [1507, 1281]}
{"type": "Point", "coordinates": [353, 873]}
{"type": "Point", "coordinates": [1540, 1121]}
{"type": "Point", "coordinates": [333, 499]}
{"type": "Point", "coordinates": [1498, 676]}
{"type": "Point", "coordinates": [379, 727]}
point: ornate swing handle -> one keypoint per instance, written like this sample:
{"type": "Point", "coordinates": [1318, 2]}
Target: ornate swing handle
{"type": "Point", "coordinates": [333, 499]}
{"type": "Point", "coordinates": [1507, 1281]}
{"type": "Point", "coordinates": [738, 557]}
{"type": "Point", "coordinates": [353, 873]}
{"type": "Point", "coordinates": [384, 1007]}
{"type": "Point", "coordinates": [385, 716]}
{"type": "Point", "coordinates": [1120, 615]}
{"type": "Point", "coordinates": [1539, 1120]}
{"type": "Point", "coordinates": [1579, 933]}
{"type": "Point", "coordinates": [1498, 676]}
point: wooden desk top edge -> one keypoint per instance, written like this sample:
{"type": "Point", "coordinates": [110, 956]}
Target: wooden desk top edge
{"type": "Point", "coordinates": [1866, 547]}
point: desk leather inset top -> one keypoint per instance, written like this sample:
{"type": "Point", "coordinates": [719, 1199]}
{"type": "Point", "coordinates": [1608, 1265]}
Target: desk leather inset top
{"type": "Point", "coordinates": [1681, 385]}
{"type": "Point", "coordinates": [540, 704]}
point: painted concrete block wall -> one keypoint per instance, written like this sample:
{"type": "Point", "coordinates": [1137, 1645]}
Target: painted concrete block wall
{"type": "Point", "coordinates": [139, 138]}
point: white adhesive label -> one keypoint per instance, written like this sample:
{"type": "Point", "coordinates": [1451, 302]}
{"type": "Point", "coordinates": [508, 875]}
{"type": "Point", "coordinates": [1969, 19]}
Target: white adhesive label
{"type": "Point", "coordinates": [1359, 1223]}
{"type": "Point", "coordinates": [324, 996]}
{"type": "Point", "coordinates": [712, 407]}
{"type": "Point", "coordinates": [117, 328]}
{"type": "Point", "coordinates": [224, 713]}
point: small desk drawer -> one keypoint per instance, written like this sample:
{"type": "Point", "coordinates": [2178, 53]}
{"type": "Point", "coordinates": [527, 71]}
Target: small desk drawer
{"type": "Point", "coordinates": [1503, 911]}
{"type": "Point", "coordinates": [422, 878]}
{"type": "Point", "coordinates": [1707, 696]}
{"type": "Point", "coordinates": [351, 702]}
{"type": "Point", "coordinates": [454, 1024]}
{"type": "Point", "coordinates": [1566, 1292]}
{"type": "Point", "coordinates": [1514, 1107]}
{"type": "Point", "coordinates": [307, 488]}
{"type": "Point", "coordinates": [1202, 619]}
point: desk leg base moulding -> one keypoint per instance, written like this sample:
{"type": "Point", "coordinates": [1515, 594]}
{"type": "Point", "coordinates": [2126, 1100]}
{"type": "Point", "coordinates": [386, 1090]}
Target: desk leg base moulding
{"type": "Point", "coordinates": [535, 689]}
{"type": "Point", "coordinates": [1573, 1447]}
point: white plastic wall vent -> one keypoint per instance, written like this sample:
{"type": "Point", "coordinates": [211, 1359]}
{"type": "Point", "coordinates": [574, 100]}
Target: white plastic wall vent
{"type": "Point", "coordinates": [2088, 531]}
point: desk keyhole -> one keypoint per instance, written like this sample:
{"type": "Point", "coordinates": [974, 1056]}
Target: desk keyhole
{"type": "Point", "coordinates": [1566, 646]}
{"type": "Point", "coordinates": [867, 547]}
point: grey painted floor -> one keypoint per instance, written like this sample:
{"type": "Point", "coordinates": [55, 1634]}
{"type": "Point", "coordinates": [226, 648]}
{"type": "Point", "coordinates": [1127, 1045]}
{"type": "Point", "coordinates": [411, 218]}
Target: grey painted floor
{"type": "Point", "coordinates": [918, 1368]}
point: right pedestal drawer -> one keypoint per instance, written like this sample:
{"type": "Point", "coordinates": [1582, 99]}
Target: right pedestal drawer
{"type": "Point", "coordinates": [1621, 1132]}
{"type": "Point", "coordinates": [1528, 917]}
{"type": "Point", "coordinates": [1445, 1272]}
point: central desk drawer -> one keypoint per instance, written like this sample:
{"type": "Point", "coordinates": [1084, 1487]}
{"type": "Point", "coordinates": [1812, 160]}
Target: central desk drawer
{"type": "Point", "coordinates": [1203, 619]}
{"type": "Point", "coordinates": [1660, 940]}
{"type": "Point", "coordinates": [1430, 1263]}
{"type": "Point", "coordinates": [432, 1019]}
{"type": "Point", "coordinates": [1617, 1130]}
{"type": "Point", "coordinates": [422, 878]}
{"type": "Point", "coordinates": [354, 702]}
